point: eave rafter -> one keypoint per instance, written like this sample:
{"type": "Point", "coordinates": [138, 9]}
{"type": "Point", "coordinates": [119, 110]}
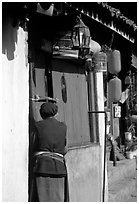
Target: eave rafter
{"type": "Point", "coordinates": [114, 14]}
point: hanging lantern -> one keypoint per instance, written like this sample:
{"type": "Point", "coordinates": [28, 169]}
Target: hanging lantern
{"type": "Point", "coordinates": [114, 90]}
{"type": "Point", "coordinates": [114, 62]}
{"type": "Point", "coordinates": [80, 35]}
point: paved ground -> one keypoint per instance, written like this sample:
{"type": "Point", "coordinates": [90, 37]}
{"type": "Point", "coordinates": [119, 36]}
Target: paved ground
{"type": "Point", "coordinates": [133, 197]}
{"type": "Point", "coordinates": [123, 181]}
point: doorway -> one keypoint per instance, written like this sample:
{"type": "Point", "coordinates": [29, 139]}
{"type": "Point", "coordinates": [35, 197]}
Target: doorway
{"type": "Point", "coordinates": [40, 86]}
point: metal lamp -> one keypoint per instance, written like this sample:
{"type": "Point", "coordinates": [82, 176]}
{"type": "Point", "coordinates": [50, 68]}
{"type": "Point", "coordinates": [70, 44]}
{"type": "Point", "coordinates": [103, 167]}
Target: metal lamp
{"type": "Point", "coordinates": [81, 37]}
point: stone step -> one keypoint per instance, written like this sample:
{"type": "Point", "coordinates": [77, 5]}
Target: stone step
{"type": "Point", "coordinates": [124, 168]}
{"type": "Point", "coordinates": [124, 190]}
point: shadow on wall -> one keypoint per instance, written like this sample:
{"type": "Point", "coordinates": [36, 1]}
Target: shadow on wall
{"type": "Point", "coordinates": [9, 36]}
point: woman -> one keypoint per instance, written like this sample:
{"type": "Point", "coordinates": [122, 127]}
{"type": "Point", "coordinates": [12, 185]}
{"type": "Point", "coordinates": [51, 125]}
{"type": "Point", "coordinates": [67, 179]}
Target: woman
{"type": "Point", "coordinates": [49, 167]}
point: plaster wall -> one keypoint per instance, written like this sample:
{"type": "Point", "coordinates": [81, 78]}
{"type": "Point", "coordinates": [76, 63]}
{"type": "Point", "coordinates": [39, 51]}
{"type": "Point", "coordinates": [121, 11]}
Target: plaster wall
{"type": "Point", "coordinates": [15, 106]}
{"type": "Point", "coordinates": [83, 166]}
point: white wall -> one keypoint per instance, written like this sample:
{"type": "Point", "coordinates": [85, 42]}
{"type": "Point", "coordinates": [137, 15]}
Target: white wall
{"type": "Point", "coordinates": [84, 174]}
{"type": "Point", "coordinates": [15, 106]}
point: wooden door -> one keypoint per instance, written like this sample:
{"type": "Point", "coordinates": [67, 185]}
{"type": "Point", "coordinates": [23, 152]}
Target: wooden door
{"type": "Point", "coordinates": [74, 110]}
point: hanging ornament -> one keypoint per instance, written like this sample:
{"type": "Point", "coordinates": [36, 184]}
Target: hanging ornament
{"type": "Point", "coordinates": [114, 62]}
{"type": "Point", "coordinates": [114, 90]}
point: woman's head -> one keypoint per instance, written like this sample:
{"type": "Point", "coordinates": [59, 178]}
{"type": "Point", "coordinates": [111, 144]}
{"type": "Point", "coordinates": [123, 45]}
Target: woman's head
{"type": "Point", "coordinates": [48, 109]}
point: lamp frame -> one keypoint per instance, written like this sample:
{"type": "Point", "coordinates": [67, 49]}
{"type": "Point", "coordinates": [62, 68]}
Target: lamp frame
{"type": "Point", "coordinates": [81, 37]}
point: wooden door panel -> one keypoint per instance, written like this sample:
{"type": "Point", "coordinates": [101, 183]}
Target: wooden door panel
{"type": "Point", "coordinates": [75, 111]}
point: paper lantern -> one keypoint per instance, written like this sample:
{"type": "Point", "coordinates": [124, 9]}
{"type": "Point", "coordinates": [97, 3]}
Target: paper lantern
{"type": "Point", "coordinates": [114, 62]}
{"type": "Point", "coordinates": [114, 90]}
